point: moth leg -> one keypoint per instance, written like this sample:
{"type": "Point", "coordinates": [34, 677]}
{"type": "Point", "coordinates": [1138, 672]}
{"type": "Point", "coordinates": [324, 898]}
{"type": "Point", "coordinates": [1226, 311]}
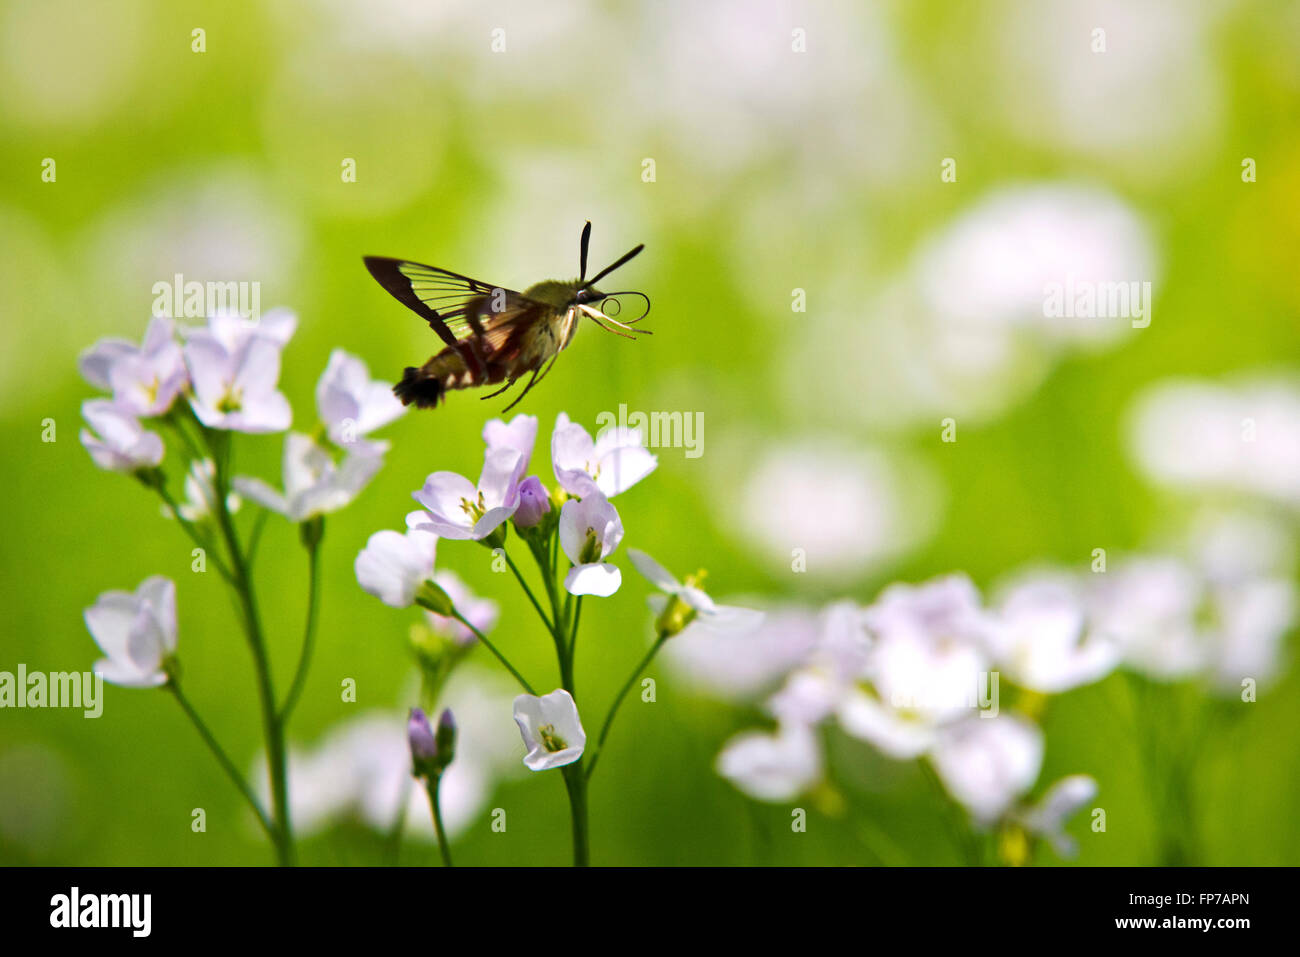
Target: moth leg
{"type": "Point", "coordinates": [519, 398]}
{"type": "Point", "coordinates": [493, 395]}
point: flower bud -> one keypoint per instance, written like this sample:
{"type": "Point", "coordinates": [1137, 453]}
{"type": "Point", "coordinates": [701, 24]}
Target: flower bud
{"type": "Point", "coordinates": [431, 596]}
{"type": "Point", "coordinates": [534, 503]}
{"type": "Point", "coordinates": [424, 748]}
{"type": "Point", "coordinates": [446, 738]}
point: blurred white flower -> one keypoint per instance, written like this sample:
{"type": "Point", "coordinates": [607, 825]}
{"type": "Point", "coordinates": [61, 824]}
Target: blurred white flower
{"type": "Point", "coordinates": [551, 729]}
{"type": "Point", "coordinates": [352, 405]}
{"type": "Point", "coordinates": [393, 565]}
{"type": "Point", "coordinates": [1047, 818]}
{"type": "Point", "coordinates": [1204, 436]}
{"type": "Point", "coordinates": [609, 465]}
{"type": "Point", "coordinates": [986, 764]}
{"type": "Point", "coordinates": [1148, 607]}
{"type": "Point", "coordinates": [116, 440]}
{"type": "Point", "coordinates": [136, 632]}
{"type": "Point", "coordinates": [313, 483]}
{"type": "Point", "coordinates": [772, 767]}
{"type": "Point", "coordinates": [1043, 641]}
{"type": "Point", "coordinates": [363, 766]}
{"type": "Point", "coordinates": [846, 509]}
{"type": "Point", "coordinates": [740, 665]}
{"type": "Point", "coordinates": [144, 380]}
{"type": "Point", "coordinates": [590, 530]}
{"type": "Point", "coordinates": [833, 667]}
{"type": "Point", "coordinates": [455, 508]}
{"type": "Point", "coordinates": [234, 365]}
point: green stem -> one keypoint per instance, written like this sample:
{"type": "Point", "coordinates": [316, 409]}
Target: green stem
{"type": "Point", "coordinates": [222, 758]}
{"type": "Point", "coordinates": [444, 846]}
{"type": "Point", "coordinates": [523, 682]}
{"type": "Point", "coordinates": [309, 632]}
{"type": "Point", "coordinates": [200, 540]}
{"type": "Point", "coordinates": [529, 592]}
{"type": "Point", "coordinates": [966, 842]}
{"type": "Point", "coordinates": [575, 780]}
{"type": "Point", "coordinates": [618, 700]}
{"type": "Point", "coordinates": [273, 731]}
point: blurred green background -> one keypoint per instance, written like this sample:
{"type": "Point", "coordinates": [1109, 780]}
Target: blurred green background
{"type": "Point", "coordinates": [774, 170]}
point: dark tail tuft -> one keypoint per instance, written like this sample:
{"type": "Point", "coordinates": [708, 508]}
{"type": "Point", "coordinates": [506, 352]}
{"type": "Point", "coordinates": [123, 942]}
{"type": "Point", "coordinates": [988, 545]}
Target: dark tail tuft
{"type": "Point", "coordinates": [425, 391]}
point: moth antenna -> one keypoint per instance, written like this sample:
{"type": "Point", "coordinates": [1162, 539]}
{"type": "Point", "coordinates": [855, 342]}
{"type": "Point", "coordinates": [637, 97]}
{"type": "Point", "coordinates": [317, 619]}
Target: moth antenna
{"type": "Point", "coordinates": [609, 269]}
{"type": "Point", "coordinates": [582, 251]}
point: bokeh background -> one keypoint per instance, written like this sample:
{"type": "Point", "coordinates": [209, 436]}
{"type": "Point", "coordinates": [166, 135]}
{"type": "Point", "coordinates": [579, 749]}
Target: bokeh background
{"type": "Point", "coordinates": [774, 171]}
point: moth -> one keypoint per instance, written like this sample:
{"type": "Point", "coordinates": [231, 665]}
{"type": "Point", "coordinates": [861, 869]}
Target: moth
{"type": "Point", "coordinates": [494, 335]}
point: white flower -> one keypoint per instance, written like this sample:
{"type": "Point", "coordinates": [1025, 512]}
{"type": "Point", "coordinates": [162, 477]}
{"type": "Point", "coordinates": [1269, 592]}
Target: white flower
{"type": "Point", "coordinates": [928, 652]}
{"type": "Point", "coordinates": [118, 443]}
{"type": "Point", "coordinates": [457, 509]}
{"type": "Point", "coordinates": [551, 729]}
{"type": "Point", "coordinates": [1203, 436]}
{"type": "Point", "coordinates": [1043, 641]}
{"type": "Point", "coordinates": [482, 613]}
{"type": "Point", "coordinates": [520, 435]}
{"type": "Point", "coordinates": [772, 767]}
{"type": "Point", "coordinates": [835, 665]}
{"type": "Point", "coordinates": [352, 405]}
{"type": "Point", "coordinates": [1148, 607]}
{"type": "Point", "coordinates": [590, 530]}
{"type": "Point", "coordinates": [708, 614]}
{"type": "Point", "coordinates": [986, 764]}
{"type": "Point", "coordinates": [393, 566]}
{"type": "Point", "coordinates": [1047, 818]}
{"type": "Point", "coordinates": [200, 493]}
{"type": "Point", "coordinates": [234, 365]}
{"type": "Point", "coordinates": [145, 380]}
{"type": "Point", "coordinates": [136, 632]}
{"type": "Point", "coordinates": [313, 483]}
{"type": "Point", "coordinates": [610, 465]}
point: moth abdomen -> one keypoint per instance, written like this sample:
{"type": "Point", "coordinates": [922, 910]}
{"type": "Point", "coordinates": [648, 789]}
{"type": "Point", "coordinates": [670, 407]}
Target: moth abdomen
{"type": "Point", "coordinates": [424, 390]}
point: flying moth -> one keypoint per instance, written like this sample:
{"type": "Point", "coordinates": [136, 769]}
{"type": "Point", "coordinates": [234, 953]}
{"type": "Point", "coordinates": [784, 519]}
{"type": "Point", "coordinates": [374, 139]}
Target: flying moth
{"type": "Point", "coordinates": [493, 335]}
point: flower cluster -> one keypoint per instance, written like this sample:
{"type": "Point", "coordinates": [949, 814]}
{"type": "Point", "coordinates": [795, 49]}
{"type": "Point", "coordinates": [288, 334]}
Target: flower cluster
{"type": "Point", "coordinates": [202, 384]}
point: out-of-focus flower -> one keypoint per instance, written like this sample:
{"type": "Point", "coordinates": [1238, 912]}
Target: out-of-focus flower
{"type": "Point", "coordinates": [234, 366]}
{"type": "Point", "coordinates": [136, 632]}
{"type": "Point", "coordinates": [480, 612]}
{"type": "Point", "coordinates": [363, 765]}
{"type": "Point", "coordinates": [145, 380]}
{"type": "Point", "coordinates": [590, 530]}
{"type": "Point", "coordinates": [833, 668]}
{"type": "Point", "coordinates": [551, 729]}
{"type": "Point", "coordinates": [739, 665]}
{"type": "Point", "coordinates": [393, 565]}
{"type": "Point", "coordinates": [455, 508]}
{"type": "Point", "coordinates": [772, 767]}
{"type": "Point", "coordinates": [1148, 608]}
{"type": "Point", "coordinates": [609, 465]}
{"type": "Point", "coordinates": [697, 606]}
{"type": "Point", "coordinates": [520, 434]}
{"type": "Point", "coordinates": [986, 764]}
{"type": "Point", "coordinates": [844, 509]}
{"type": "Point", "coordinates": [1205, 436]}
{"type": "Point", "coordinates": [1043, 642]}
{"type": "Point", "coordinates": [534, 503]}
{"type": "Point", "coordinates": [1047, 818]}
{"type": "Point", "coordinates": [200, 493]}
{"type": "Point", "coordinates": [352, 405]}
{"type": "Point", "coordinates": [118, 442]}
{"type": "Point", "coordinates": [431, 751]}
{"type": "Point", "coordinates": [313, 483]}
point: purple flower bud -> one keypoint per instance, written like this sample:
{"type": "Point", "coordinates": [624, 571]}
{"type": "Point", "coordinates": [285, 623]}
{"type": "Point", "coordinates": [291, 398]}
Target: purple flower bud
{"type": "Point", "coordinates": [533, 502]}
{"type": "Point", "coordinates": [446, 738]}
{"type": "Point", "coordinates": [424, 750]}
